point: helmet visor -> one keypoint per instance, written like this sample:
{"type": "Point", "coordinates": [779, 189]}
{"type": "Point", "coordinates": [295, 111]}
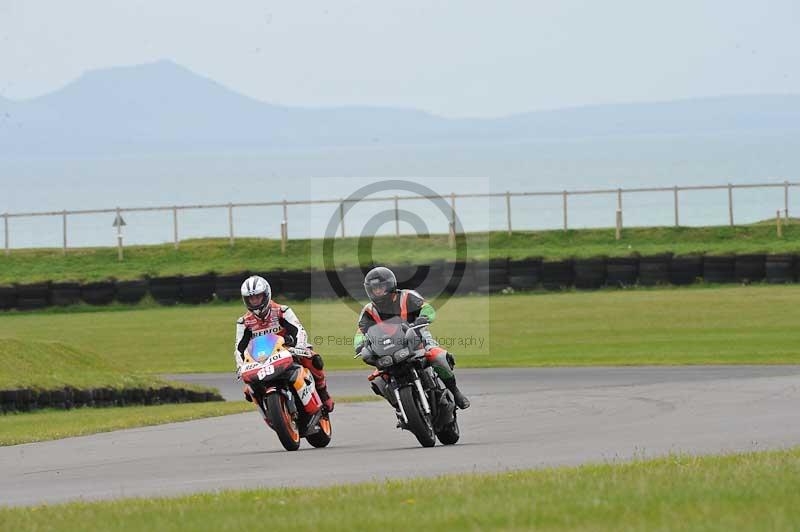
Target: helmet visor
{"type": "Point", "coordinates": [377, 288]}
{"type": "Point", "coordinates": [256, 300]}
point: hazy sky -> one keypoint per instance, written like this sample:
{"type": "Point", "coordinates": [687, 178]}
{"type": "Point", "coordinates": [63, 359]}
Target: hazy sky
{"type": "Point", "coordinates": [456, 58]}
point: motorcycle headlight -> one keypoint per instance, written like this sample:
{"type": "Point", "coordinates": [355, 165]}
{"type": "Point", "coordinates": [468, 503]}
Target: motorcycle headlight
{"type": "Point", "coordinates": [385, 361]}
{"type": "Point", "coordinates": [401, 355]}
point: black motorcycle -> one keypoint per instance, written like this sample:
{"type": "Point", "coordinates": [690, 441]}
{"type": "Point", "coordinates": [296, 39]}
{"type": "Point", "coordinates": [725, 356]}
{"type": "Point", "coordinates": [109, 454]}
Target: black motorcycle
{"type": "Point", "coordinates": [422, 403]}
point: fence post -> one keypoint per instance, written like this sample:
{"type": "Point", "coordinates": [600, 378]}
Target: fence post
{"type": "Point", "coordinates": [396, 216]}
{"type": "Point", "coordinates": [508, 210]}
{"type": "Point", "coordinates": [675, 197]}
{"type": "Point", "coordinates": [786, 200]}
{"type": "Point", "coordinates": [175, 225]}
{"type": "Point", "coordinates": [119, 237]}
{"type": "Point", "coordinates": [230, 222]}
{"type": "Point", "coordinates": [341, 216]}
{"type": "Point", "coordinates": [565, 209]}
{"type": "Point", "coordinates": [619, 210]}
{"type": "Point", "coordinates": [618, 233]}
{"type": "Point", "coordinates": [451, 240]}
{"type": "Point", "coordinates": [5, 231]}
{"type": "Point", "coordinates": [284, 228]}
{"type": "Point", "coordinates": [778, 223]}
{"type": "Point", "coordinates": [730, 204]}
{"type": "Point", "coordinates": [64, 230]}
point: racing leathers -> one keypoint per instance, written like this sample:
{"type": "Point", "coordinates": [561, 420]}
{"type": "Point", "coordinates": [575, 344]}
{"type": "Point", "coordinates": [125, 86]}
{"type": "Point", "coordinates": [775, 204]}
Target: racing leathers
{"type": "Point", "coordinates": [411, 307]}
{"type": "Point", "coordinates": [282, 320]}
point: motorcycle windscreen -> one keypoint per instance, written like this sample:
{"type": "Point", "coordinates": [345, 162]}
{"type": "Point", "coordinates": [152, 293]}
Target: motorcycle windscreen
{"type": "Point", "coordinates": [387, 336]}
{"type": "Point", "coordinates": [261, 347]}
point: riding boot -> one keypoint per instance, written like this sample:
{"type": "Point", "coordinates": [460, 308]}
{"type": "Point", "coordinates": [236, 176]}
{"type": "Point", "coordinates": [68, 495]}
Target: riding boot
{"type": "Point", "coordinates": [461, 400]}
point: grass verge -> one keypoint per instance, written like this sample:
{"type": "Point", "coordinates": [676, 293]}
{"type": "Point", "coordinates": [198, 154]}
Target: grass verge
{"type": "Point", "coordinates": [723, 325]}
{"type": "Point", "coordinates": [753, 491]}
{"type": "Point", "coordinates": [204, 255]}
{"type": "Point", "coordinates": [55, 424]}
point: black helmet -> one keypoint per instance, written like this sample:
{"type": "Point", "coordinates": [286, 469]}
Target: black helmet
{"type": "Point", "coordinates": [382, 281]}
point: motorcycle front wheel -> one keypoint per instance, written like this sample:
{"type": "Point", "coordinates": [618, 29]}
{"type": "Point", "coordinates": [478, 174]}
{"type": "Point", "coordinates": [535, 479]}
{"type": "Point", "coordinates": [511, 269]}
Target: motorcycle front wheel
{"type": "Point", "coordinates": [323, 437]}
{"type": "Point", "coordinates": [282, 421]}
{"type": "Point", "coordinates": [418, 423]}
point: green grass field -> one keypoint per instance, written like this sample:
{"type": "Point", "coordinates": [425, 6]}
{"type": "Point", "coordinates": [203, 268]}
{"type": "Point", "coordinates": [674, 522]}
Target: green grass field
{"type": "Point", "coordinates": [30, 363]}
{"type": "Point", "coordinates": [754, 491]}
{"type": "Point", "coordinates": [204, 255]}
{"type": "Point", "coordinates": [708, 325]}
{"type": "Point", "coordinates": [55, 424]}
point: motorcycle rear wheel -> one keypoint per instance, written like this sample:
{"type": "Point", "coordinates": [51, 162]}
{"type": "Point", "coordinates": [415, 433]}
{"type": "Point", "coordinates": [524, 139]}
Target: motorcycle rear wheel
{"type": "Point", "coordinates": [282, 422]}
{"type": "Point", "coordinates": [418, 423]}
{"type": "Point", "coordinates": [323, 437]}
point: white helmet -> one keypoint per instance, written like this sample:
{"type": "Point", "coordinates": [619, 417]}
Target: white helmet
{"type": "Point", "coordinates": [254, 286]}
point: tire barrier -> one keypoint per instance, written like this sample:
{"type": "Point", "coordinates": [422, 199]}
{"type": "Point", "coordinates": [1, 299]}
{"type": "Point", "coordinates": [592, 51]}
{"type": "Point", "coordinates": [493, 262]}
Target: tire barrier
{"type": "Point", "coordinates": [750, 268]}
{"type": "Point", "coordinates": [557, 275]}
{"type": "Point", "coordinates": [229, 287]}
{"type": "Point", "coordinates": [492, 276]}
{"type": "Point", "coordinates": [197, 289]}
{"type": "Point", "coordinates": [654, 270]}
{"type": "Point", "coordinates": [524, 274]}
{"type": "Point", "coordinates": [166, 290]}
{"type": "Point", "coordinates": [33, 296]}
{"type": "Point", "coordinates": [685, 270]}
{"type": "Point", "coordinates": [293, 285]}
{"type": "Point", "coordinates": [8, 297]}
{"type": "Point", "coordinates": [433, 278]}
{"type": "Point", "coordinates": [438, 277]}
{"type": "Point", "coordinates": [590, 274]}
{"type": "Point", "coordinates": [65, 294]}
{"type": "Point", "coordinates": [622, 271]}
{"type": "Point", "coordinates": [100, 293]}
{"type": "Point", "coordinates": [719, 269]}
{"type": "Point", "coordinates": [131, 292]}
{"type": "Point", "coordinates": [26, 400]}
{"type": "Point", "coordinates": [780, 269]}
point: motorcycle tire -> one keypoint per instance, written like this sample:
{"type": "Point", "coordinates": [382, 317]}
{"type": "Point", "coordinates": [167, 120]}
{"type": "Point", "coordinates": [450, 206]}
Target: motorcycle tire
{"type": "Point", "coordinates": [449, 434]}
{"type": "Point", "coordinates": [419, 424]}
{"type": "Point", "coordinates": [323, 437]}
{"type": "Point", "coordinates": [282, 422]}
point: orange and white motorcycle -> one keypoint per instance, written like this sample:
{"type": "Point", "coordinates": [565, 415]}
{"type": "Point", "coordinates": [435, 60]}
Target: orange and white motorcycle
{"type": "Point", "coordinates": [284, 392]}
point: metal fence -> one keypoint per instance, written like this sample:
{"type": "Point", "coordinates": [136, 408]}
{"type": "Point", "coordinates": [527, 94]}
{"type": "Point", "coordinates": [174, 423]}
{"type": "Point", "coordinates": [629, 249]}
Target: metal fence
{"type": "Point", "coordinates": [674, 192]}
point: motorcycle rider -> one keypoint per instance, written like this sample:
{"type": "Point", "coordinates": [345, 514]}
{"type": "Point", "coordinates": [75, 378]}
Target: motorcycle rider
{"type": "Point", "coordinates": [386, 301]}
{"type": "Point", "coordinates": [265, 316]}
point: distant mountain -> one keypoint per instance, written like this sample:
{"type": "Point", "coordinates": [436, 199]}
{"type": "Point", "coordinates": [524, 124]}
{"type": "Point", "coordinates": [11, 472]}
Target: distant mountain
{"type": "Point", "coordinates": [165, 107]}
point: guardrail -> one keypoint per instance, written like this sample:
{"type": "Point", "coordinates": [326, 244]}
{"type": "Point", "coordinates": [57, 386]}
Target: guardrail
{"type": "Point", "coordinates": [674, 191]}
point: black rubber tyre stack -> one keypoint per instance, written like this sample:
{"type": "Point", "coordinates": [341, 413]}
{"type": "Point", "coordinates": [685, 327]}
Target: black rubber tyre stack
{"type": "Point", "coordinates": [622, 271]}
{"type": "Point", "coordinates": [353, 282]}
{"type": "Point", "coordinates": [295, 286]}
{"type": "Point", "coordinates": [8, 297]}
{"type": "Point", "coordinates": [321, 286]}
{"type": "Point", "coordinates": [461, 279]}
{"type": "Point", "coordinates": [557, 275]}
{"type": "Point", "coordinates": [524, 274]}
{"type": "Point", "coordinates": [229, 287]}
{"type": "Point", "coordinates": [779, 269]}
{"type": "Point", "coordinates": [750, 268]}
{"type": "Point", "coordinates": [99, 293]}
{"type": "Point", "coordinates": [431, 278]}
{"type": "Point", "coordinates": [408, 277]}
{"type": "Point", "coordinates": [166, 290]}
{"type": "Point", "coordinates": [131, 292]}
{"type": "Point", "coordinates": [686, 270]}
{"type": "Point", "coordinates": [654, 270]}
{"type": "Point", "coordinates": [33, 296]}
{"type": "Point", "coordinates": [719, 269]}
{"type": "Point", "coordinates": [196, 289]}
{"type": "Point", "coordinates": [590, 274]}
{"type": "Point", "coordinates": [64, 294]}
{"type": "Point", "coordinates": [491, 276]}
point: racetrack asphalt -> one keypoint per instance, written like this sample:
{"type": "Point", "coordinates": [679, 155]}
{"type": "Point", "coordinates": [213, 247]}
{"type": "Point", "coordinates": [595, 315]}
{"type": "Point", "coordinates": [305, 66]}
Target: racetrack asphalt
{"type": "Point", "coordinates": [520, 418]}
